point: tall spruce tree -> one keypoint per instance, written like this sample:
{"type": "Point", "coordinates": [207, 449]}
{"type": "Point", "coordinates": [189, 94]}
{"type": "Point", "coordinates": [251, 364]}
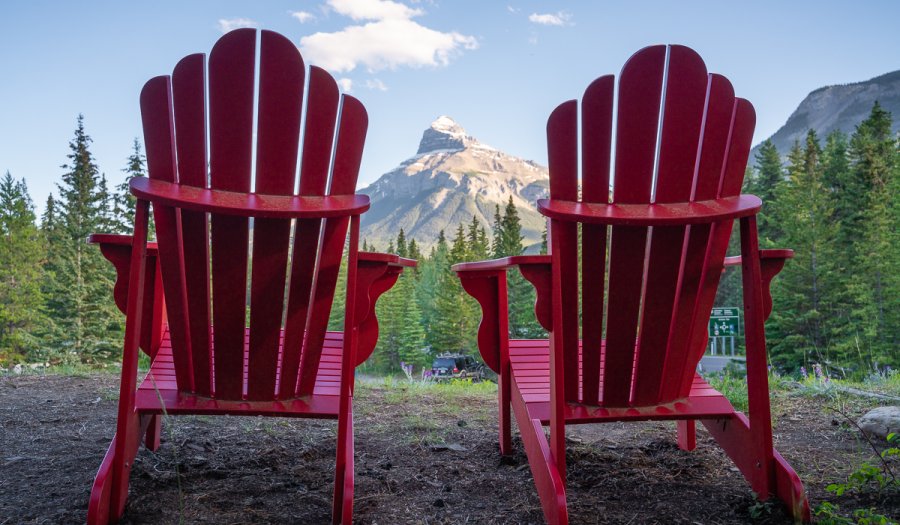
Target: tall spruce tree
{"type": "Point", "coordinates": [804, 297]}
{"type": "Point", "coordinates": [22, 317]}
{"type": "Point", "coordinates": [453, 327]}
{"type": "Point", "coordinates": [80, 286]}
{"type": "Point", "coordinates": [874, 280]}
{"type": "Point", "coordinates": [763, 183]}
{"type": "Point", "coordinates": [431, 271]}
{"type": "Point", "coordinates": [508, 242]}
{"type": "Point", "coordinates": [123, 201]}
{"type": "Point", "coordinates": [479, 245]}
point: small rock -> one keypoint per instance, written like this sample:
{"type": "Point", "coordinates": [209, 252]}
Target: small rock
{"type": "Point", "coordinates": [461, 423]}
{"type": "Point", "coordinates": [456, 447]}
{"type": "Point", "coordinates": [522, 467]}
{"type": "Point", "coordinates": [881, 421]}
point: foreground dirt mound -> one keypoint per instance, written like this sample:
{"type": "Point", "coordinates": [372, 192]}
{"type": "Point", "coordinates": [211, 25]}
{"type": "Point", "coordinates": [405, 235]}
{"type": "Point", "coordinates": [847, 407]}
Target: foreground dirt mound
{"type": "Point", "coordinates": [422, 457]}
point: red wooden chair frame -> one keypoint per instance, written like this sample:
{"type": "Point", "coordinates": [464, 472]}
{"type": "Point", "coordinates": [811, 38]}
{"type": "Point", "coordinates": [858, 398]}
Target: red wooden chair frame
{"type": "Point", "coordinates": [650, 374]}
{"type": "Point", "coordinates": [207, 362]}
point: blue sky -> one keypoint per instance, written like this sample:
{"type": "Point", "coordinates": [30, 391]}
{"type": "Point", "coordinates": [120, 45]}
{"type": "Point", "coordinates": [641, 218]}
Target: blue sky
{"type": "Point", "coordinates": [498, 68]}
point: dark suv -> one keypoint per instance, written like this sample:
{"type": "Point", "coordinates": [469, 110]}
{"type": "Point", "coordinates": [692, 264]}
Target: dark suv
{"type": "Point", "coordinates": [456, 366]}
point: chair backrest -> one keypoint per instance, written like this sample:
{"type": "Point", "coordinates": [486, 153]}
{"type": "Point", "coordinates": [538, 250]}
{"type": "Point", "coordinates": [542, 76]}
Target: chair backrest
{"type": "Point", "coordinates": [680, 136]}
{"type": "Point", "coordinates": [207, 259]}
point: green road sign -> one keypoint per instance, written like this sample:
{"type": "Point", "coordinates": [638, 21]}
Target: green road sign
{"type": "Point", "coordinates": [724, 322]}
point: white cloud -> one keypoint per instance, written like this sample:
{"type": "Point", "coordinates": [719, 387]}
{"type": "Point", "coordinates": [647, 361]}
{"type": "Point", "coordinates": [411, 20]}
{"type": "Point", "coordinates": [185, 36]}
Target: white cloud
{"type": "Point", "coordinates": [376, 84]}
{"type": "Point", "coordinates": [550, 19]}
{"type": "Point", "coordinates": [389, 40]}
{"type": "Point", "coordinates": [373, 9]}
{"type": "Point", "coordinates": [303, 16]}
{"type": "Point", "coordinates": [229, 24]}
{"type": "Point", "coordinates": [512, 9]}
{"type": "Point", "coordinates": [346, 84]}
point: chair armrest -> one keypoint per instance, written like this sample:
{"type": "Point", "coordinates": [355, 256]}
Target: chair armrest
{"type": "Point", "coordinates": [486, 282]}
{"type": "Point", "coordinates": [764, 256]}
{"type": "Point", "coordinates": [117, 250]}
{"type": "Point", "coordinates": [501, 264]}
{"type": "Point", "coordinates": [376, 274]}
{"type": "Point", "coordinates": [388, 258]}
{"type": "Point", "coordinates": [675, 214]}
{"type": "Point", "coordinates": [771, 262]}
{"type": "Point", "coordinates": [247, 204]}
{"type": "Point", "coordinates": [116, 239]}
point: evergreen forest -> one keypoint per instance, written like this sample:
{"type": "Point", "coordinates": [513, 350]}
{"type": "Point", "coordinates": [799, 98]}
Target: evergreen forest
{"type": "Point", "coordinates": [833, 200]}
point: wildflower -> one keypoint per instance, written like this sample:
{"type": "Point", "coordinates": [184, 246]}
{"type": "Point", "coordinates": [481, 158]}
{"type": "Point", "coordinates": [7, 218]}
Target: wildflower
{"type": "Point", "coordinates": [803, 374]}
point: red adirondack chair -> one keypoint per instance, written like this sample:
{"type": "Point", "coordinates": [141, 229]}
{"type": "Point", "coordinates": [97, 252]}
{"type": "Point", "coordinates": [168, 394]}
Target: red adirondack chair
{"type": "Point", "coordinates": [186, 297]}
{"type": "Point", "coordinates": [651, 259]}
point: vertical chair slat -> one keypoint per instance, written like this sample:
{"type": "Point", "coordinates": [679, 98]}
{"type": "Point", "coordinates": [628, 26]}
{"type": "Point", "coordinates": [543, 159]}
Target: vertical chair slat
{"type": "Point", "coordinates": [351, 137]}
{"type": "Point", "coordinates": [596, 144]}
{"type": "Point", "coordinates": [681, 122]}
{"type": "Point", "coordinates": [562, 151]}
{"type": "Point", "coordinates": [189, 92]}
{"type": "Point", "coordinates": [736, 156]}
{"type": "Point", "coordinates": [640, 89]}
{"type": "Point", "coordinates": [716, 124]}
{"type": "Point", "coordinates": [321, 115]}
{"type": "Point", "coordinates": [281, 80]}
{"type": "Point", "coordinates": [562, 156]}
{"type": "Point", "coordinates": [231, 87]}
{"type": "Point", "coordinates": [159, 141]}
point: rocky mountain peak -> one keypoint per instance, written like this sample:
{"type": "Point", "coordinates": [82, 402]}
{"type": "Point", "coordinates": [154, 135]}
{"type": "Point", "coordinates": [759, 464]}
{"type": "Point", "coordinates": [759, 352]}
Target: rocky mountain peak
{"type": "Point", "coordinates": [444, 134]}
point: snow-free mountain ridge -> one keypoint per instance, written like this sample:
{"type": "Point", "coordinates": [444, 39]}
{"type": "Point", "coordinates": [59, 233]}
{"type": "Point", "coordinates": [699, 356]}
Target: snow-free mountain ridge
{"type": "Point", "coordinates": [840, 107]}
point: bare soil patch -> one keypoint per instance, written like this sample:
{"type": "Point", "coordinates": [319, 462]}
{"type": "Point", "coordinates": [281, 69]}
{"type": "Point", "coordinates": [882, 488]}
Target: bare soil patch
{"type": "Point", "coordinates": [420, 458]}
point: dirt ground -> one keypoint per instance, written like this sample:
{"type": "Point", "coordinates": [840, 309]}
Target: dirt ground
{"type": "Point", "coordinates": [420, 458]}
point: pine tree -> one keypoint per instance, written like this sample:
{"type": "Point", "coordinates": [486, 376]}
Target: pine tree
{"type": "Point", "coordinates": [453, 325]}
{"type": "Point", "coordinates": [804, 297]}
{"type": "Point", "coordinates": [123, 201]}
{"type": "Point", "coordinates": [874, 281]}
{"type": "Point", "coordinates": [508, 242]}
{"type": "Point", "coordinates": [763, 183]}
{"type": "Point", "coordinates": [22, 318]}
{"type": "Point", "coordinates": [80, 280]}
{"type": "Point", "coordinates": [478, 242]}
{"type": "Point", "coordinates": [411, 337]}
{"type": "Point", "coordinates": [402, 250]}
{"type": "Point", "coordinates": [401, 336]}
{"type": "Point", "coordinates": [510, 232]}
{"type": "Point", "coordinates": [430, 271]}
{"type": "Point", "coordinates": [459, 252]}
{"type": "Point", "coordinates": [413, 251]}
{"type": "Point", "coordinates": [497, 242]}
{"type": "Point", "coordinates": [544, 250]}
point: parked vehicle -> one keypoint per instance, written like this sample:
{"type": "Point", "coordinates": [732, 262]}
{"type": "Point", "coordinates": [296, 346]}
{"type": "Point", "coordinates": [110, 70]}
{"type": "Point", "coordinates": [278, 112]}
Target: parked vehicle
{"type": "Point", "coordinates": [456, 366]}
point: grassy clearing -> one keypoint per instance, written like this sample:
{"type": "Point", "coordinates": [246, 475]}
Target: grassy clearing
{"type": "Point", "coordinates": [813, 385]}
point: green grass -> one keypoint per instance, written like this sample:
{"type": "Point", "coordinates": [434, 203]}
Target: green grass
{"type": "Point", "coordinates": [403, 390]}
{"type": "Point", "coordinates": [732, 387]}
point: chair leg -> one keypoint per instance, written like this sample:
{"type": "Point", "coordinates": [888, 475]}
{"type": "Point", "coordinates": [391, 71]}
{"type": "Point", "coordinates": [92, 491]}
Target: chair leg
{"type": "Point", "coordinates": [687, 434]}
{"type": "Point", "coordinates": [550, 486]}
{"type": "Point", "coordinates": [734, 435]}
{"type": "Point", "coordinates": [503, 395]}
{"type": "Point", "coordinates": [153, 434]}
{"type": "Point", "coordinates": [342, 505]}
{"type": "Point", "coordinates": [109, 491]}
